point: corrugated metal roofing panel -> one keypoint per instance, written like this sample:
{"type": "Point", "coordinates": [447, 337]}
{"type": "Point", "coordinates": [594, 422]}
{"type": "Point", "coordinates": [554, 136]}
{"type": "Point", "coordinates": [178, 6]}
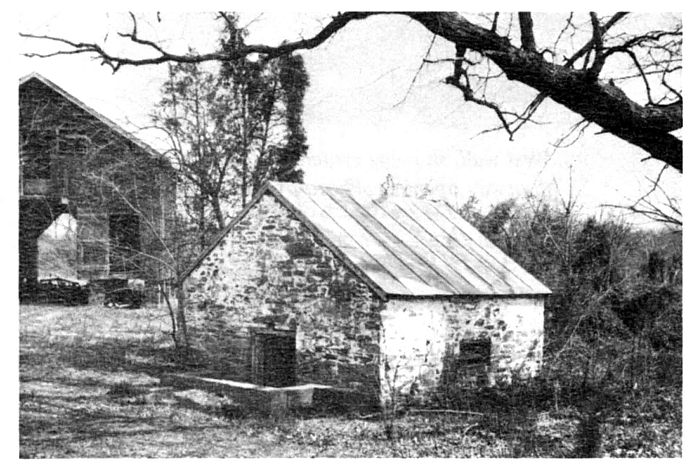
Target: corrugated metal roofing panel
{"type": "Point", "coordinates": [408, 247]}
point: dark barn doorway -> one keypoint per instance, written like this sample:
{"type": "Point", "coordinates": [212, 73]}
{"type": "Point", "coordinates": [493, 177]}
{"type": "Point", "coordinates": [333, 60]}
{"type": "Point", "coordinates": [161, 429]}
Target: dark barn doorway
{"type": "Point", "coordinates": [273, 355]}
{"type": "Point", "coordinates": [125, 242]}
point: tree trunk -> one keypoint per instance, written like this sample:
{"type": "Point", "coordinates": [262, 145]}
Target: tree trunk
{"type": "Point", "coordinates": [181, 337]}
{"type": "Point", "coordinates": [216, 206]}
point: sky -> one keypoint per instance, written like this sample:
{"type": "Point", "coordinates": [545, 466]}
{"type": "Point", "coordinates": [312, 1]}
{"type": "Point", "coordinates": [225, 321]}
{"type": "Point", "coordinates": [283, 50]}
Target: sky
{"type": "Point", "coordinates": [372, 110]}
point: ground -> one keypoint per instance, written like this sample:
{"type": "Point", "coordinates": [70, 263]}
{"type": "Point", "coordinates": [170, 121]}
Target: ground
{"type": "Point", "coordinates": [89, 387]}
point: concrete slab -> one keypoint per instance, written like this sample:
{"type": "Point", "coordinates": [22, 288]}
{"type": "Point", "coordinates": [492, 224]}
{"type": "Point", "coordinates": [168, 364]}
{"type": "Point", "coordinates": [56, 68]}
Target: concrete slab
{"type": "Point", "coordinates": [256, 398]}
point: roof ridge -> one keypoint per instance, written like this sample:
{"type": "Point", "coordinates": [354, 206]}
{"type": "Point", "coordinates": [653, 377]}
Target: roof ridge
{"type": "Point", "coordinates": [356, 192]}
{"type": "Point", "coordinates": [321, 186]}
{"type": "Point", "coordinates": [96, 114]}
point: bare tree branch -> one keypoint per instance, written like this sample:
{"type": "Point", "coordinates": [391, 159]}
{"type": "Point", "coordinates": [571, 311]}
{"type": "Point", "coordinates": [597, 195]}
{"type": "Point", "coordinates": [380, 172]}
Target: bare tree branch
{"type": "Point", "coordinates": [133, 36]}
{"type": "Point", "coordinates": [589, 45]}
{"type": "Point", "coordinates": [670, 215]}
{"type": "Point", "coordinates": [603, 103]}
{"type": "Point", "coordinates": [494, 23]}
{"type": "Point", "coordinates": [415, 77]}
{"type": "Point", "coordinates": [576, 130]}
{"type": "Point", "coordinates": [527, 35]}
{"type": "Point", "coordinates": [643, 75]}
{"type": "Point", "coordinates": [467, 91]}
{"type": "Point", "coordinates": [669, 87]}
{"type": "Point", "coordinates": [116, 62]}
{"type": "Point", "coordinates": [597, 40]}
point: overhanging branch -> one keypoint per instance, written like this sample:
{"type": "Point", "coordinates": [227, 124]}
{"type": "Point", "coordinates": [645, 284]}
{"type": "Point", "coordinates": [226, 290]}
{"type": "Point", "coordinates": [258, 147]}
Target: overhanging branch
{"type": "Point", "coordinates": [604, 104]}
{"type": "Point", "coordinates": [117, 61]}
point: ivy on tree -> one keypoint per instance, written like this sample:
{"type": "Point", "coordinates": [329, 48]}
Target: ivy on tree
{"type": "Point", "coordinates": [232, 129]}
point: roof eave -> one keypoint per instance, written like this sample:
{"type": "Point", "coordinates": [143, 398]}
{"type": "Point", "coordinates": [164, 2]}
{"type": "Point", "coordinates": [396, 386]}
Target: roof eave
{"type": "Point", "coordinates": [466, 296]}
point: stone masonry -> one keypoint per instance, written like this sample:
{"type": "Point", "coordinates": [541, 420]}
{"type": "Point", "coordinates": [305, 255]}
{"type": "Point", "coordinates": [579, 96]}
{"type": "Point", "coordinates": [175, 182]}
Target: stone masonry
{"type": "Point", "coordinates": [68, 153]}
{"type": "Point", "coordinates": [270, 271]}
{"type": "Point", "coordinates": [422, 338]}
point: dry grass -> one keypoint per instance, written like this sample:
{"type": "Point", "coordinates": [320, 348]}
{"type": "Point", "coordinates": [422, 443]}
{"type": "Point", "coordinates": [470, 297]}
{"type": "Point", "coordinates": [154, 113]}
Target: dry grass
{"type": "Point", "coordinates": [89, 387]}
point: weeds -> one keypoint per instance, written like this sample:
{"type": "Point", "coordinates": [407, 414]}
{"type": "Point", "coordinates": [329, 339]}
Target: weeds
{"type": "Point", "coordinates": [93, 400]}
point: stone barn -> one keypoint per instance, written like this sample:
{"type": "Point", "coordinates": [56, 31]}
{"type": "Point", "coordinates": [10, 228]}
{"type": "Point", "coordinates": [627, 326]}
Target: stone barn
{"type": "Point", "coordinates": [378, 296]}
{"type": "Point", "coordinates": [95, 202]}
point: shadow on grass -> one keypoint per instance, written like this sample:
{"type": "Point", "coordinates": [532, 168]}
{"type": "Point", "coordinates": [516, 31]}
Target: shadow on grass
{"type": "Point", "coordinates": [107, 355]}
{"type": "Point", "coordinates": [50, 425]}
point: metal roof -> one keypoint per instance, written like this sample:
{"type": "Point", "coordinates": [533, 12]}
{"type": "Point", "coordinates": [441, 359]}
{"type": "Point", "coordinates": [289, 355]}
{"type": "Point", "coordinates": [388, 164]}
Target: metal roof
{"type": "Point", "coordinates": [407, 247]}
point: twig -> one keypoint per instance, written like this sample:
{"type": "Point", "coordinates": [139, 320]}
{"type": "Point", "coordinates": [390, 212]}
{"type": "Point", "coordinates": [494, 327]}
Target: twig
{"type": "Point", "coordinates": [415, 77]}
{"type": "Point", "coordinates": [589, 45]}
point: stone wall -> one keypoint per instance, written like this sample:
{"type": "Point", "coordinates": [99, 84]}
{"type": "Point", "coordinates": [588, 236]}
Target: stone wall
{"type": "Point", "coordinates": [76, 156]}
{"type": "Point", "coordinates": [271, 271]}
{"type": "Point", "coordinates": [421, 343]}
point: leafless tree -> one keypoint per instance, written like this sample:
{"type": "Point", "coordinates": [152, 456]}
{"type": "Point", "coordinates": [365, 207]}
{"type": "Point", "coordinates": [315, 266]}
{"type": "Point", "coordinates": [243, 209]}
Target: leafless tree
{"type": "Point", "coordinates": [161, 262]}
{"type": "Point", "coordinates": [228, 133]}
{"type": "Point", "coordinates": [666, 210]}
{"type": "Point", "coordinates": [590, 79]}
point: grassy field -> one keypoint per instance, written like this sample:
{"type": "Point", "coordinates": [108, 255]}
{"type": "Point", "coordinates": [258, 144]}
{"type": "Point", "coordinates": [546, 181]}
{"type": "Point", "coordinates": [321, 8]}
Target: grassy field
{"type": "Point", "coordinates": [89, 387]}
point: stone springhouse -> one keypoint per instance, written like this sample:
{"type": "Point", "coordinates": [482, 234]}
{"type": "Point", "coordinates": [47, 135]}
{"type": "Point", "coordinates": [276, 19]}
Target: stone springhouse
{"type": "Point", "coordinates": [318, 285]}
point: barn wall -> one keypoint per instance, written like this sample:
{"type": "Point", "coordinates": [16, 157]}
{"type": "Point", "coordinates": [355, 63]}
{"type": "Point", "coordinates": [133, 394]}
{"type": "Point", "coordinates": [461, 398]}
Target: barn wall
{"type": "Point", "coordinates": [74, 148]}
{"type": "Point", "coordinates": [271, 270]}
{"type": "Point", "coordinates": [421, 342]}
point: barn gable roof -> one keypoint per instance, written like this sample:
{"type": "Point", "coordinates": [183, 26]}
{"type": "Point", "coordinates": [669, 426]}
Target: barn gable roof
{"type": "Point", "coordinates": [401, 247]}
{"type": "Point", "coordinates": [114, 127]}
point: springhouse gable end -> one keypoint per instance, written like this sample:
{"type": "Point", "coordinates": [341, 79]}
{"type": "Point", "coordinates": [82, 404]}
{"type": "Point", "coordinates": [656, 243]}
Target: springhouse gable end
{"type": "Point", "coordinates": [317, 285]}
{"type": "Point", "coordinates": [270, 275]}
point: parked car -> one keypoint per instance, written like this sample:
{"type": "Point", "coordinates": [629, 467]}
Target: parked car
{"type": "Point", "coordinates": [60, 290]}
{"type": "Point", "coordinates": [124, 293]}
